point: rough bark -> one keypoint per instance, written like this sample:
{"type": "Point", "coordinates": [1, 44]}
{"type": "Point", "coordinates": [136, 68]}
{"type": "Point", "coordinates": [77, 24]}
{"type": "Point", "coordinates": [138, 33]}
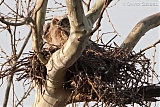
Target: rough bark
{"type": "Point", "coordinates": [139, 30]}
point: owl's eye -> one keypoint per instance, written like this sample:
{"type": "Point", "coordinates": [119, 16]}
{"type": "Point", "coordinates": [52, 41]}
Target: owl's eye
{"type": "Point", "coordinates": [55, 21]}
{"type": "Point", "coordinates": [64, 21]}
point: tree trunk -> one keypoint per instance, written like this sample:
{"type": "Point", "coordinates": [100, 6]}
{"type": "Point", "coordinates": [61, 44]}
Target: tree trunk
{"type": "Point", "coordinates": [57, 98]}
{"type": "Point", "coordinates": [53, 94]}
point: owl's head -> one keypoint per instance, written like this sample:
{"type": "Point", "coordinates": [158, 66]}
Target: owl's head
{"type": "Point", "coordinates": [61, 21]}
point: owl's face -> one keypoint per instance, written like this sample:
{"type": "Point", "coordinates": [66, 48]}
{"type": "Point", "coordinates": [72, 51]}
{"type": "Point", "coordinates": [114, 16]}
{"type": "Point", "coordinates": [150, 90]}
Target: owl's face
{"type": "Point", "coordinates": [62, 21]}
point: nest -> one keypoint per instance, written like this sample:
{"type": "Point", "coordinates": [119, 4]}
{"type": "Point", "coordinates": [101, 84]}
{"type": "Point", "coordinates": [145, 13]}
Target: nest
{"type": "Point", "coordinates": [102, 74]}
{"type": "Point", "coordinates": [113, 77]}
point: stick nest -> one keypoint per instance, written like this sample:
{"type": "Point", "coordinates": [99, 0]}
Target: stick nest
{"type": "Point", "coordinates": [102, 74]}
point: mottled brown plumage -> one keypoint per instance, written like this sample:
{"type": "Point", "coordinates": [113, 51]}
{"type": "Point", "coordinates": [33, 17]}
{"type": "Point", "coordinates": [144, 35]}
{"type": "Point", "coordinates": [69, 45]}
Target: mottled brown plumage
{"type": "Point", "coordinates": [56, 33]}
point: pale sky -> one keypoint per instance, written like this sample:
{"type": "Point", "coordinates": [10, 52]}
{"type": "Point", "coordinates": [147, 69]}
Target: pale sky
{"type": "Point", "coordinates": [124, 16]}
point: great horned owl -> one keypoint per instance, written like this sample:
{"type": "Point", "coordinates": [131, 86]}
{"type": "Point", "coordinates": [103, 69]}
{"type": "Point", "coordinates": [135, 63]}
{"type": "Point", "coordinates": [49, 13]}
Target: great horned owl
{"type": "Point", "coordinates": [56, 33]}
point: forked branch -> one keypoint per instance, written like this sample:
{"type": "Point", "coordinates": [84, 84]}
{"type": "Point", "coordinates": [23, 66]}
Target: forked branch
{"type": "Point", "coordinates": [139, 30]}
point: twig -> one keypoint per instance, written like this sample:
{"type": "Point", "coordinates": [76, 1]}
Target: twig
{"type": "Point", "coordinates": [87, 4]}
{"type": "Point", "coordinates": [98, 24]}
{"type": "Point", "coordinates": [153, 66]}
{"type": "Point", "coordinates": [59, 3]}
{"type": "Point", "coordinates": [153, 45]}
{"type": "Point", "coordinates": [114, 4]}
{"type": "Point", "coordinates": [24, 44]}
{"type": "Point", "coordinates": [11, 9]}
{"type": "Point", "coordinates": [109, 20]}
{"type": "Point", "coordinates": [7, 91]}
{"type": "Point", "coordinates": [27, 93]}
{"type": "Point", "coordinates": [1, 2]}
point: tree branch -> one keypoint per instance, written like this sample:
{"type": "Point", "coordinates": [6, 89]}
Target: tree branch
{"type": "Point", "coordinates": [98, 24]}
{"type": "Point", "coordinates": [7, 91]}
{"type": "Point", "coordinates": [87, 4]}
{"type": "Point", "coordinates": [153, 45]}
{"type": "Point", "coordinates": [15, 24]}
{"type": "Point", "coordinates": [93, 14]}
{"type": "Point", "coordinates": [139, 30]}
{"type": "Point", "coordinates": [1, 2]}
{"type": "Point", "coordinates": [10, 79]}
{"type": "Point", "coordinates": [37, 29]}
{"type": "Point", "coordinates": [24, 44]}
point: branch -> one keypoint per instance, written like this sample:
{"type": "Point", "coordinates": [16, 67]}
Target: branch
{"type": "Point", "coordinates": [26, 94]}
{"type": "Point", "coordinates": [35, 46]}
{"type": "Point", "coordinates": [15, 24]}
{"type": "Point", "coordinates": [149, 92]}
{"type": "Point", "coordinates": [98, 24]}
{"type": "Point", "coordinates": [87, 4]}
{"type": "Point", "coordinates": [93, 14]}
{"type": "Point", "coordinates": [153, 45]}
{"type": "Point", "coordinates": [7, 91]}
{"type": "Point", "coordinates": [1, 2]}
{"type": "Point", "coordinates": [24, 44]}
{"type": "Point", "coordinates": [39, 18]}
{"type": "Point", "coordinates": [40, 11]}
{"type": "Point", "coordinates": [13, 66]}
{"type": "Point", "coordinates": [139, 30]}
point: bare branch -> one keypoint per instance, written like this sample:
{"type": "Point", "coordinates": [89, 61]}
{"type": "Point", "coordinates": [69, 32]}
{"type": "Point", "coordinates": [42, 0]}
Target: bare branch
{"type": "Point", "coordinates": [87, 4]}
{"type": "Point", "coordinates": [115, 31]}
{"type": "Point", "coordinates": [24, 44]}
{"type": "Point", "coordinates": [1, 2]}
{"type": "Point", "coordinates": [15, 24]}
{"type": "Point", "coordinates": [7, 91]}
{"type": "Point", "coordinates": [139, 30]}
{"type": "Point", "coordinates": [153, 45]}
{"type": "Point", "coordinates": [40, 12]}
{"type": "Point", "coordinates": [27, 93]}
{"type": "Point", "coordinates": [39, 17]}
{"type": "Point", "coordinates": [11, 77]}
{"type": "Point", "coordinates": [94, 12]}
{"type": "Point", "coordinates": [14, 61]}
{"type": "Point", "coordinates": [35, 46]}
{"type": "Point", "coordinates": [98, 24]}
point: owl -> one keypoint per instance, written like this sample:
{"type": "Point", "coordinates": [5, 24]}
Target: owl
{"type": "Point", "coordinates": [56, 33]}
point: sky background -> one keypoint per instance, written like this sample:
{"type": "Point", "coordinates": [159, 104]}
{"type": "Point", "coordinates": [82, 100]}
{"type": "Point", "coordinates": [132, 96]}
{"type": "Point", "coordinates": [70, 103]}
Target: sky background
{"type": "Point", "coordinates": [124, 16]}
